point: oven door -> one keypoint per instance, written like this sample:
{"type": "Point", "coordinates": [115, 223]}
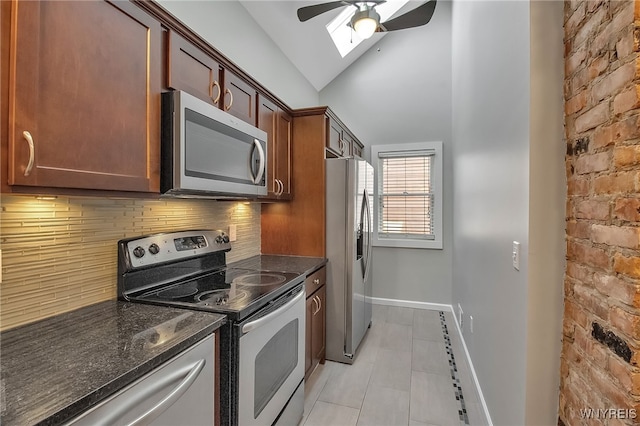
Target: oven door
{"type": "Point", "coordinates": [271, 360]}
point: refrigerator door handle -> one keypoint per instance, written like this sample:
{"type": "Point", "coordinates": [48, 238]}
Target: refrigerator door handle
{"type": "Point", "coordinates": [366, 232]}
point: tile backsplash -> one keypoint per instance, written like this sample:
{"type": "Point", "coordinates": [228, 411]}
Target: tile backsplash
{"type": "Point", "coordinates": [61, 254]}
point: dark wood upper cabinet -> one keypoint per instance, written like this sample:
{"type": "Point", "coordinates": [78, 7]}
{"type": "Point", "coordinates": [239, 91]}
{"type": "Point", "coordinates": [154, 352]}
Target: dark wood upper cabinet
{"type": "Point", "coordinates": [298, 227]}
{"type": "Point", "coordinates": [356, 150]}
{"type": "Point", "coordinates": [239, 98]}
{"type": "Point", "coordinates": [277, 124]}
{"type": "Point", "coordinates": [283, 152]}
{"type": "Point", "coordinates": [199, 74]}
{"type": "Point", "coordinates": [334, 141]}
{"type": "Point", "coordinates": [340, 141]}
{"type": "Point", "coordinates": [192, 70]}
{"type": "Point", "coordinates": [84, 96]}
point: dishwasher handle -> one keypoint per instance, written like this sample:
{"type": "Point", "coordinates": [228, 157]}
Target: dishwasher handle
{"type": "Point", "coordinates": [186, 375]}
{"type": "Point", "coordinates": [173, 396]}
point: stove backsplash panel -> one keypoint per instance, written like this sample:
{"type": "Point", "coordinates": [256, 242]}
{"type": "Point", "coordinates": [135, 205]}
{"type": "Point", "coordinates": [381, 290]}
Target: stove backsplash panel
{"type": "Point", "coordinates": [61, 254]}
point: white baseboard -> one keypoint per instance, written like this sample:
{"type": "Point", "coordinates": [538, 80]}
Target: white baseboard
{"type": "Point", "coordinates": [448, 308]}
{"type": "Point", "coordinates": [411, 304]}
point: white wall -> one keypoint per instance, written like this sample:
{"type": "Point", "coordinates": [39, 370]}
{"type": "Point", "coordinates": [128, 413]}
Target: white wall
{"type": "Point", "coordinates": [231, 30]}
{"type": "Point", "coordinates": [506, 124]}
{"type": "Point", "coordinates": [399, 92]}
{"type": "Point", "coordinates": [547, 196]}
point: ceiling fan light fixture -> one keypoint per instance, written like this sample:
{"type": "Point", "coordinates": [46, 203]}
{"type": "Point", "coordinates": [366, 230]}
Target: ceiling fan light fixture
{"type": "Point", "coordinates": [365, 22]}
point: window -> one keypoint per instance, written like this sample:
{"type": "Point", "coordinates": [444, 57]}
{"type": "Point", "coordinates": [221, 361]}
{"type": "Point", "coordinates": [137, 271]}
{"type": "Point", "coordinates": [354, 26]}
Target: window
{"type": "Point", "coordinates": [408, 198]}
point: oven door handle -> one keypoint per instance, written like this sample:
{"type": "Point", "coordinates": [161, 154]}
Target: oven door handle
{"type": "Point", "coordinates": [270, 316]}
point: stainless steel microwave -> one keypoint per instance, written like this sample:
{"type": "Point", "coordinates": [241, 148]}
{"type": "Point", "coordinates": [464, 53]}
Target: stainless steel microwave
{"type": "Point", "coordinates": [208, 153]}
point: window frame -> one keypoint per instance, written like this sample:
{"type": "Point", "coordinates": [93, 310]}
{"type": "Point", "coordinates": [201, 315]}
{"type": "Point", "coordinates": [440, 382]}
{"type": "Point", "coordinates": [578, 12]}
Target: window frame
{"type": "Point", "coordinates": [437, 185]}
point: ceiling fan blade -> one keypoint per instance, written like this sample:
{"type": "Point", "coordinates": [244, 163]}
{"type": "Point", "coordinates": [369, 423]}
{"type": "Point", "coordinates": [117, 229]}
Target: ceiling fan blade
{"type": "Point", "coordinates": [308, 12]}
{"type": "Point", "coordinates": [421, 15]}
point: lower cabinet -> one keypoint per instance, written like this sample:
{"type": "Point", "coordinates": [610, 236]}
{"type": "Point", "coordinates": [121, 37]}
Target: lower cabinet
{"type": "Point", "coordinates": [316, 316]}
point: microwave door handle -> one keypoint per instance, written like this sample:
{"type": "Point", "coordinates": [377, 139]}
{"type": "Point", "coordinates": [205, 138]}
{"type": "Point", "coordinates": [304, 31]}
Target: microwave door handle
{"type": "Point", "coordinates": [261, 166]}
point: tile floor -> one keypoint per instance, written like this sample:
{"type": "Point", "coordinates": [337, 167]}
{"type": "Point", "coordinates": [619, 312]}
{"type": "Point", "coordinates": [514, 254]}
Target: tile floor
{"type": "Point", "coordinates": [402, 375]}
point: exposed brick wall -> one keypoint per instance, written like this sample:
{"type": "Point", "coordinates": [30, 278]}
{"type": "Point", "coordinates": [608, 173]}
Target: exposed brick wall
{"type": "Point", "coordinates": [601, 330]}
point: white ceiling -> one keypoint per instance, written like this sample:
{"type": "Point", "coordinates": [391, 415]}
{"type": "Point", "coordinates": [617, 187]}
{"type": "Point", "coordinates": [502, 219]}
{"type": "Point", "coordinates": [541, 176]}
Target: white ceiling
{"type": "Point", "coordinates": [308, 44]}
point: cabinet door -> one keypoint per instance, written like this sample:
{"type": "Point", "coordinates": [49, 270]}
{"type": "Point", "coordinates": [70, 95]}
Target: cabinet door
{"type": "Point", "coordinates": [277, 124]}
{"type": "Point", "coordinates": [239, 98]}
{"type": "Point", "coordinates": [356, 150]}
{"type": "Point", "coordinates": [267, 113]}
{"type": "Point", "coordinates": [283, 153]}
{"type": "Point", "coordinates": [334, 139]}
{"type": "Point", "coordinates": [193, 71]}
{"type": "Point", "coordinates": [347, 144]}
{"type": "Point", "coordinates": [84, 93]}
{"type": "Point", "coordinates": [311, 306]}
{"type": "Point", "coordinates": [318, 327]}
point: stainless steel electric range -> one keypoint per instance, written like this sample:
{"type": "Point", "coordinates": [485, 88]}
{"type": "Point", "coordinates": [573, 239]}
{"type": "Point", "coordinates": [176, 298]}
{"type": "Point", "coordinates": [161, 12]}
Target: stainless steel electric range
{"type": "Point", "coordinates": [262, 345]}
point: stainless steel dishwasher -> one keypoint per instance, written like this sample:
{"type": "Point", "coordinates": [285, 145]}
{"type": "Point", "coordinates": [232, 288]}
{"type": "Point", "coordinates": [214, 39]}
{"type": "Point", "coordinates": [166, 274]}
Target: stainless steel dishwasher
{"type": "Point", "coordinates": [179, 392]}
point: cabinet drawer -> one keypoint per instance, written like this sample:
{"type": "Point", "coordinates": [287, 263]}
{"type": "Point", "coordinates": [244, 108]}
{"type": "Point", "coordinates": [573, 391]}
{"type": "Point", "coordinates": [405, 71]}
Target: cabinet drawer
{"type": "Point", "coordinates": [315, 281]}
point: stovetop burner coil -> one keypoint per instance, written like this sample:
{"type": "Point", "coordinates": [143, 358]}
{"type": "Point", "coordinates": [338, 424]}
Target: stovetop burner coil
{"type": "Point", "coordinates": [259, 279]}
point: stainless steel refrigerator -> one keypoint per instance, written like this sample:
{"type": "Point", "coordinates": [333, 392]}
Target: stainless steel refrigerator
{"type": "Point", "coordinates": [349, 225]}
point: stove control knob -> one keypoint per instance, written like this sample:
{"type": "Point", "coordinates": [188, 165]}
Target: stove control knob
{"type": "Point", "coordinates": [154, 249]}
{"type": "Point", "coordinates": [219, 239]}
{"type": "Point", "coordinates": [138, 252]}
{"type": "Point", "coordinates": [225, 239]}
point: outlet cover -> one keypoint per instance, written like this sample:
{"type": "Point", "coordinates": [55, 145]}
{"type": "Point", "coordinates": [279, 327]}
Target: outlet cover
{"type": "Point", "coordinates": [233, 231]}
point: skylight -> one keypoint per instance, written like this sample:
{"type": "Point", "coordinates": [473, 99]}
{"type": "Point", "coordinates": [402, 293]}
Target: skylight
{"type": "Point", "coordinates": [344, 37]}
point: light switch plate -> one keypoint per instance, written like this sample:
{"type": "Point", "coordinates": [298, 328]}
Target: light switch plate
{"type": "Point", "coordinates": [515, 255]}
{"type": "Point", "coordinates": [233, 232]}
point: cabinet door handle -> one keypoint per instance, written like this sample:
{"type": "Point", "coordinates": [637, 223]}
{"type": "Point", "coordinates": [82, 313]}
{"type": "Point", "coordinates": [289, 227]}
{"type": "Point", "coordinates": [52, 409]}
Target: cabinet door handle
{"type": "Point", "coordinates": [215, 84]}
{"type": "Point", "coordinates": [341, 146]}
{"type": "Point", "coordinates": [29, 139]}
{"type": "Point", "coordinates": [318, 304]}
{"type": "Point", "coordinates": [228, 92]}
{"type": "Point", "coordinates": [280, 187]}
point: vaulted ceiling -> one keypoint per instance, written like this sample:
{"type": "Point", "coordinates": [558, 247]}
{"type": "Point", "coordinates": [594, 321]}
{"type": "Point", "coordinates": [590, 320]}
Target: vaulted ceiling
{"type": "Point", "coordinates": [308, 45]}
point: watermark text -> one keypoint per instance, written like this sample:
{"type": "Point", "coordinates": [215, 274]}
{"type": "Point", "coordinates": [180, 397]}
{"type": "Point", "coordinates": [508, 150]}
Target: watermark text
{"type": "Point", "coordinates": [608, 413]}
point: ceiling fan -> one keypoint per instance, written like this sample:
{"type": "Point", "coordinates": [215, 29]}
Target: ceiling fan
{"type": "Point", "coordinates": [366, 20]}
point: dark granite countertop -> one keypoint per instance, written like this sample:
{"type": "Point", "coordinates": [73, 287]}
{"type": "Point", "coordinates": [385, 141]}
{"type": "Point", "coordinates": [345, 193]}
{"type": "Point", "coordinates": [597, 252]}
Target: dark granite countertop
{"type": "Point", "coordinates": [54, 369]}
{"type": "Point", "coordinates": [302, 265]}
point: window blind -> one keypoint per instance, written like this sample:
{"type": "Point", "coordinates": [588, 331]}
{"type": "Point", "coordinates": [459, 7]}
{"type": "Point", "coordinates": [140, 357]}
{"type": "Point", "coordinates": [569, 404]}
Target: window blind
{"type": "Point", "coordinates": [406, 195]}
